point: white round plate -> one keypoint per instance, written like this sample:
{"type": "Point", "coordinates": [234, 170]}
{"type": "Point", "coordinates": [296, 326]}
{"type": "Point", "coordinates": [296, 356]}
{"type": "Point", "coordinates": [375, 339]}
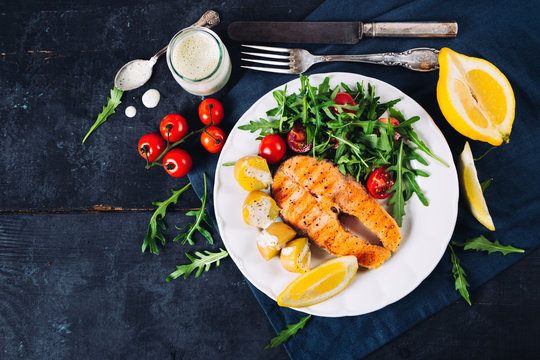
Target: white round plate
{"type": "Point", "coordinates": [426, 231]}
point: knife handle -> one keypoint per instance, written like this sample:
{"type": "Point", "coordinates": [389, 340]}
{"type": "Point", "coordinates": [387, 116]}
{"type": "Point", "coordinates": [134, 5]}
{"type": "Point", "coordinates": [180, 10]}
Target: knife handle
{"type": "Point", "coordinates": [410, 29]}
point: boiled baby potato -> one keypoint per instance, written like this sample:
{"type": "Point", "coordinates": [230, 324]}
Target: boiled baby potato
{"type": "Point", "coordinates": [273, 238]}
{"type": "Point", "coordinates": [296, 255]}
{"type": "Point", "coordinates": [252, 173]}
{"type": "Point", "coordinates": [259, 209]}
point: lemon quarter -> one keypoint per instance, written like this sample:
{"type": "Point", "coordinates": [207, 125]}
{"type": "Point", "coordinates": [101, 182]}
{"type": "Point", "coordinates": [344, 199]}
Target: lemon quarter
{"type": "Point", "coordinates": [475, 97]}
{"type": "Point", "coordinates": [320, 283]}
{"type": "Point", "coordinates": [472, 188]}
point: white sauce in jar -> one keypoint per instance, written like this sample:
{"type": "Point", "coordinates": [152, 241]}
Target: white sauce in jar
{"type": "Point", "coordinates": [196, 55]}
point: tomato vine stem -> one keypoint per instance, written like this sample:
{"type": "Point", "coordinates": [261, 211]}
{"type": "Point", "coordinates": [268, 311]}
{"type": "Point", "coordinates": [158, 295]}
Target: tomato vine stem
{"type": "Point", "coordinates": [173, 145]}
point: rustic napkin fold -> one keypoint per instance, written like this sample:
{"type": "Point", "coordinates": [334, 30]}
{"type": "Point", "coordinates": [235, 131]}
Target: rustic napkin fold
{"type": "Point", "coordinates": [496, 31]}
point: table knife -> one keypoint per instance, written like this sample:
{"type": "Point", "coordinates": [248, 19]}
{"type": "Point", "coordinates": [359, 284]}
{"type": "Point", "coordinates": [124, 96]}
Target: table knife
{"type": "Point", "coordinates": [335, 32]}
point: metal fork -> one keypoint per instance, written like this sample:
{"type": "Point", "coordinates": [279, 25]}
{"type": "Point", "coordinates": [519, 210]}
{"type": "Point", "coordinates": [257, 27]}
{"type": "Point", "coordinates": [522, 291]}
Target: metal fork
{"type": "Point", "coordinates": [298, 61]}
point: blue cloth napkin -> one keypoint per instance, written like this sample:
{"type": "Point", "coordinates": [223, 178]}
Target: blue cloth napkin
{"type": "Point", "coordinates": [498, 31]}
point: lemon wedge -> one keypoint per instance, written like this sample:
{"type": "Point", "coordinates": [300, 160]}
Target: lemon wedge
{"type": "Point", "coordinates": [475, 97]}
{"type": "Point", "coordinates": [473, 190]}
{"type": "Point", "coordinates": [320, 283]}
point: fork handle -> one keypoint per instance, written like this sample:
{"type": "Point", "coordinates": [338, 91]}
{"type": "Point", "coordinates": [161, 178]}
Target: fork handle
{"type": "Point", "coordinates": [419, 59]}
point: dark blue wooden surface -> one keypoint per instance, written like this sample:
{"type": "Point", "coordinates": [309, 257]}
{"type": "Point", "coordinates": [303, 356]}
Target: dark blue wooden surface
{"type": "Point", "coordinates": [73, 283]}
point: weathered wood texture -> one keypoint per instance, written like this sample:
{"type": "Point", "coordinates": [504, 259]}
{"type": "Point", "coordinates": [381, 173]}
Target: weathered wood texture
{"type": "Point", "coordinates": [73, 284]}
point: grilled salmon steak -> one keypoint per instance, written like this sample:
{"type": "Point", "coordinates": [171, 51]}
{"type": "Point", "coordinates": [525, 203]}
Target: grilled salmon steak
{"type": "Point", "coordinates": [312, 193]}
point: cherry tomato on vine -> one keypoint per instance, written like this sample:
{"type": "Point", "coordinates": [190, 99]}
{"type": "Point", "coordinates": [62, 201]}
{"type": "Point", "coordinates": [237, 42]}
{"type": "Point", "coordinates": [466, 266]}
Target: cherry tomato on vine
{"type": "Point", "coordinates": [213, 139]}
{"type": "Point", "coordinates": [343, 99]}
{"type": "Point", "coordinates": [272, 148]}
{"type": "Point", "coordinates": [379, 182]}
{"type": "Point", "coordinates": [297, 139]}
{"type": "Point", "coordinates": [394, 122]}
{"type": "Point", "coordinates": [175, 126]}
{"type": "Point", "coordinates": [151, 146]}
{"type": "Point", "coordinates": [177, 162]}
{"type": "Point", "coordinates": [216, 111]}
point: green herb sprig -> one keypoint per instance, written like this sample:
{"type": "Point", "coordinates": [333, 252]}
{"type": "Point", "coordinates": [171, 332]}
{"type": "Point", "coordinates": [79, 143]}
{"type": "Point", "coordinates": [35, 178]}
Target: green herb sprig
{"type": "Point", "coordinates": [200, 215]}
{"type": "Point", "coordinates": [285, 334]}
{"type": "Point", "coordinates": [153, 232]}
{"type": "Point", "coordinates": [202, 263]}
{"type": "Point", "coordinates": [485, 184]}
{"type": "Point", "coordinates": [481, 243]}
{"type": "Point", "coordinates": [112, 102]}
{"type": "Point", "coordinates": [461, 282]}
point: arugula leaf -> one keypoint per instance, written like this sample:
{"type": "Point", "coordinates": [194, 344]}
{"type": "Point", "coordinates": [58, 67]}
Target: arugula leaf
{"type": "Point", "coordinates": [265, 126]}
{"type": "Point", "coordinates": [200, 215]}
{"type": "Point", "coordinates": [481, 243]}
{"type": "Point", "coordinates": [202, 263]}
{"type": "Point", "coordinates": [397, 200]}
{"type": "Point", "coordinates": [459, 276]}
{"type": "Point", "coordinates": [413, 186]}
{"type": "Point", "coordinates": [112, 103]}
{"type": "Point", "coordinates": [413, 137]}
{"type": "Point", "coordinates": [157, 219]}
{"type": "Point", "coordinates": [285, 334]}
{"type": "Point", "coordinates": [484, 184]}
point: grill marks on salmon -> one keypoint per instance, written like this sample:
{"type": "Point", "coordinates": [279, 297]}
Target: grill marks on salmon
{"type": "Point", "coordinates": [311, 194]}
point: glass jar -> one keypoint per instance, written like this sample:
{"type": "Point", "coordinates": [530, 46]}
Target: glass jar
{"type": "Point", "coordinates": [199, 61]}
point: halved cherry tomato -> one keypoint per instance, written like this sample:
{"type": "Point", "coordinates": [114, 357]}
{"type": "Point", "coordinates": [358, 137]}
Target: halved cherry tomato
{"type": "Point", "coordinates": [297, 139]}
{"type": "Point", "coordinates": [213, 139]}
{"type": "Point", "coordinates": [174, 127]}
{"type": "Point", "coordinates": [211, 110]}
{"type": "Point", "coordinates": [394, 122]}
{"type": "Point", "coordinates": [151, 146]}
{"type": "Point", "coordinates": [272, 148]}
{"type": "Point", "coordinates": [177, 162]}
{"type": "Point", "coordinates": [379, 182]}
{"type": "Point", "coordinates": [343, 99]}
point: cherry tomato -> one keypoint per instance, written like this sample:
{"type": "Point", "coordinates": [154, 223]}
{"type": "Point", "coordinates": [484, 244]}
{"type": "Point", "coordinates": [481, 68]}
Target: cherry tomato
{"type": "Point", "coordinates": [272, 148]}
{"type": "Point", "coordinates": [394, 122]}
{"type": "Point", "coordinates": [151, 146]}
{"type": "Point", "coordinates": [217, 112]}
{"type": "Point", "coordinates": [297, 139]}
{"type": "Point", "coordinates": [175, 126]}
{"type": "Point", "coordinates": [379, 182]}
{"type": "Point", "coordinates": [177, 162]}
{"type": "Point", "coordinates": [343, 99]}
{"type": "Point", "coordinates": [213, 139]}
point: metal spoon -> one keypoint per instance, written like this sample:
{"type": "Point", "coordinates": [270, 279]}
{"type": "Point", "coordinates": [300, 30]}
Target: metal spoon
{"type": "Point", "coordinates": [136, 73]}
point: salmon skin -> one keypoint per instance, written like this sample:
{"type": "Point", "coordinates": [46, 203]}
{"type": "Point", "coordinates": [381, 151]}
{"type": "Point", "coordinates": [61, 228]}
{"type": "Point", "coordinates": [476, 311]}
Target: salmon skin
{"type": "Point", "coordinates": [312, 193]}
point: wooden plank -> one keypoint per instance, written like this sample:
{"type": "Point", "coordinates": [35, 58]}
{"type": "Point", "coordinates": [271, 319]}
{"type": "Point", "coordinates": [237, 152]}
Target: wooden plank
{"type": "Point", "coordinates": [58, 60]}
{"type": "Point", "coordinates": [75, 286]}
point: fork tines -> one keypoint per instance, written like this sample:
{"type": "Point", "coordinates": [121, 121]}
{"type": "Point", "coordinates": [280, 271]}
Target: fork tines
{"type": "Point", "coordinates": [285, 58]}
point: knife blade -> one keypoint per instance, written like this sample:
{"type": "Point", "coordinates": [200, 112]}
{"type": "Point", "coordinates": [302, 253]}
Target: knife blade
{"type": "Point", "coordinates": [335, 32]}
